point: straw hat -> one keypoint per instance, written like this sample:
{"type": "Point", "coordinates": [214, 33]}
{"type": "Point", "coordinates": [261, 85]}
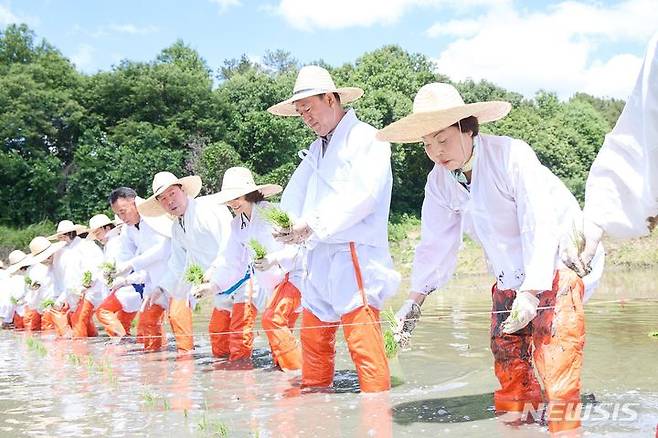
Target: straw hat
{"type": "Point", "coordinates": [41, 248]}
{"type": "Point", "coordinates": [67, 226]}
{"type": "Point", "coordinates": [437, 106]}
{"type": "Point", "coordinates": [191, 185]}
{"type": "Point", "coordinates": [17, 260]}
{"type": "Point", "coordinates": [161, 224]}
{"type": "Point", "coordinates": [39, 274]}
{"type": "Point", "coordinates": [238, 181]}
{"type": "Point", "coordinates": [311, 81]}
{"type": "Point", "coordinates": [101, 220]}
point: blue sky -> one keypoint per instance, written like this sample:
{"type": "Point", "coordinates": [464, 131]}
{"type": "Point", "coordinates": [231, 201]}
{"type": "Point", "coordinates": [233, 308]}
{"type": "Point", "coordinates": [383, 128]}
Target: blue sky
{"type": "Point", "coordinates": [580, 45]}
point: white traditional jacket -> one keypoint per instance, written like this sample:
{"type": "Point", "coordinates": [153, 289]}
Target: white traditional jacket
{"type": "Point", "coordinates": [622, 187]}
{"type": "Point", "coordinates": [516, 209]}
{"type": "Point", "coordinates": [147, 251]}
{"type": "Point", "coordinates": [345, 197]}
{"type": "Point", "coordinates": [197, 238]}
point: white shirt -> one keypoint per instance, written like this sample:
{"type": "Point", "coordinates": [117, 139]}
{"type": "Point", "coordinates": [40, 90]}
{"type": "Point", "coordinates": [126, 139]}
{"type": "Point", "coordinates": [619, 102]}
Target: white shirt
{"type": "Point", "coordinates": [345, 197]}
{"type": "Point", "coordinates": [197, 238]}
{"type": "Point", "coordinates": [517, 209]}
{"type": "Point", "coordinates": [622, 187]}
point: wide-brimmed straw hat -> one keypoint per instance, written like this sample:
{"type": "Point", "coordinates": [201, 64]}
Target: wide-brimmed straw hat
{"type": "Point", "coordinates": [161, 224]}
{"type": "Point", "coordinates": [67, 226]}
{"type": "Point", "coordinates": [191, 185]}
{"type": "Point", "coordinates": [41, 248]}
{"type": "Point", "coordinates": [17, 260]}
{"type": "Point", "coordinates": [311, 81]}
{"type": "Point", "coordinates": [99, 221]}
{"type": "Point", "coordinates": [437, 106]}
{"type": "Point", "coordinates": [238, 181]}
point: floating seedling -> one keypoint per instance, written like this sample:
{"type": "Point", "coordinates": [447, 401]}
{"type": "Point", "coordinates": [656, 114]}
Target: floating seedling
{"type": "Point", "coordinates": [36, 346]}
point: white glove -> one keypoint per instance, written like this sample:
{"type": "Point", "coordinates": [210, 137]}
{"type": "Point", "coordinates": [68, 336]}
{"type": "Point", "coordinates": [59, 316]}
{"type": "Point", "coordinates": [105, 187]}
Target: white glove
{"type": "Point", "coordinates": [265, 263]}
{"type": "Point", "coordinates": [524, 310]}
{"type": "Point", "coordinates": [570, 255]}
{"type": "Point", "coordinates": [204, 290]}
{"type": "Point", "coordinates": [123, 269]}
{"type": "Point", "coordinates": [153, 298]}
{"type": "Point", "coordinates": [593, 234]}
{"type": "Point", "coordinates": [118, 283]}
{"type": "Point", "coordinates": [407, 317]}
{"type": "Point", "coordinates": [295, 235]}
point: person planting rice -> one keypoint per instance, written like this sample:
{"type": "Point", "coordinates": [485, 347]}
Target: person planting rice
{"type": "Point", "coordinates": [117, 311]}
{"type": "Point", "coordinates": [199, 233]}
{"type": "Point", "coordinates": [15, 284]}
{"type": "Point", "coordinates": [70, 265]}
{"type": "Point", "coordinates": [496, 190]}
{"type": "Point", "coordinates": [42, 288]}
{"type": "Point", "coordinates": [145, 249]}
{"type": "Point", "coordinates": [251, 244]}
{"type": "Point", "coordinates": [338, 199]}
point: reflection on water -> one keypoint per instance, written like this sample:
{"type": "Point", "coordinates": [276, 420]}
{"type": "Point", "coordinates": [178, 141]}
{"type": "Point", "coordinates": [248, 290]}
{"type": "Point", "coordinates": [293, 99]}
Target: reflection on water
{"type": "Point", "coordinates": [95, 388]}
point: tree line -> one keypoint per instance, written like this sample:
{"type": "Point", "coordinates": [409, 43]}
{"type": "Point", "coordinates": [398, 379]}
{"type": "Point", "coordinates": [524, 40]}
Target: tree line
{"type": "Point", "coordinates": [69, 138]}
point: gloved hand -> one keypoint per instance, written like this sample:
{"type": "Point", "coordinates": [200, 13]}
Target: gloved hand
{"type": "Point", "coordinates": [570, 251]}
{"type": "Point", "coordinates": [593, 234]}
{"type": "Point", "coordinates": [265, 263]}
{"type": "Point", "coordinates": [407, 317]}
{"type": "Point", "coordinates": [299, 232]}
{"type": "Point", "coordinates": [524, 310]}
{"type": "Point", "coordinates": [118, 283]}
{"type": "Point", "coordinates": [123, 269]}
{"type": "Point", "coordinates": [204, 289]}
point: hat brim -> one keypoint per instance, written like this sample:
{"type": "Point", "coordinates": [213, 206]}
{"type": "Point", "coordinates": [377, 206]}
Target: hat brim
{"type": "Point", "coordinates": [287, 107]}
{"type": "Point", "coordinates": [412, 128]}
{"type": "Point", "coordinates": [267, 190]}
{"type": "Point", "coordinates": [191, 185]}
{"type": "Point", "coordinates": [43, 255]}
{"type": "Point", "coordinates": [114, 231]}
{"type": "Point", "coordinates": [12, 269]}
{"type": "Point", "coordinates": [78, 229]}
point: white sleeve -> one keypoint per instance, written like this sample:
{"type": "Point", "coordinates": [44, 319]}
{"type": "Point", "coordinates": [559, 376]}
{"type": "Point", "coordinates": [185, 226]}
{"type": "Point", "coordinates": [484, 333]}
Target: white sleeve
{"type": "Point", "coordinates": [294, 194]}
{"type": "Point", "coordinates": [435, 258]}
{"type": "Point", "coordinates": [622, 186]}
{"type": "Point", "coordinates": [175, 266]}
{"type": "Point", "coordinates": [532, 185]}
{"type": "Point", "coordinates": [230, 266]}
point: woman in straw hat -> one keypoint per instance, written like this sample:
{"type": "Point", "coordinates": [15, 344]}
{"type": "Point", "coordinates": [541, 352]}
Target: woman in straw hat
{"type": "Point", "coordinates": [77, 257]}
{"type": "Point", "coordinates": [339, 199]}
{"type": "Point", "coordinates": [268, 282]}
{"type": "Point", "coordinates": [15, 284]}
{"type": "Point", "coordinates": [199, 233]}
{"type": "Point", "coordinates": [41, 289]}
{"type": "Point", "coordinates": [496, 190]}
{"type": "Point", "coordinates": [621, 197]}
{"type": "Point", "coordinates": [145, 249]}
{"type": "Point", "coordinates": [112, 313]}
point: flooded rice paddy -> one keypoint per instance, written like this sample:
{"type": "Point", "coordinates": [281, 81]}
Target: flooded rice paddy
{"type": "Point", "coordinates": [61, 388]}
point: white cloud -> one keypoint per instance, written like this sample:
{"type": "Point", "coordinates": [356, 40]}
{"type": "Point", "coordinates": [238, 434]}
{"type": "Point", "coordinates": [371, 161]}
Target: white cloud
{"type": "Point", "coordinates": [83, 57]}
{"type": "Point", "coordinates": [461, 28]}
{"type": "Point", "coordinates": [6, 16]}
{"type": "Point", "coordinates": [131, 29]}
{"type": "Point", "coordinates": [224, 5]}
{"type": "Point", "coordinates": [338, 14]}
{"type": "Point", "coordinates": [553, 49]}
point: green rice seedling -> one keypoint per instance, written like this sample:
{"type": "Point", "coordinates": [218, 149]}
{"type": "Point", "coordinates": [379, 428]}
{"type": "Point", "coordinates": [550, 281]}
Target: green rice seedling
{"type": "Point", "coordinates": [36, 346]}
{"type": "Point", "coordinates": [165, 404]}
{"type": "Point", "coordinates": [276, 217]}
{"type": "Point", "coordinates": [73, 358]}
{"type": "Point", "coordinates": [28, 281]}
{"type": "Point", "coordinates": [390, 345]}
{"type": "Point", "coordinates": [48, 303]}
{"type": "Point", "coordinates": [194, 274]}
{"type": "Point", "coordinates": [259, 250]}
{"type": "Point", "coordinates": [109, 270]}
{"type": "Point", "coordinates": [149, 399]}
{"type": "Point", "coordinates": [87, 279]}
{"type": "Point", "coordinates": [15, 301]}
{"type": "Point", "coordinates": [653, 335]}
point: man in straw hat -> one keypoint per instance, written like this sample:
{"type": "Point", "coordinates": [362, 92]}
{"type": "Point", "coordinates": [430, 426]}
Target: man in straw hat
{"type": "Point", "coordinates": [621, 197]}
{"type": "Point", "coordinates": [233, 270]}
{"type": "Point", "coordinates": [496, 190]}
{"type": "Point", "coordinates": [16, 271]}
{"type": "Point", "coordinates": [77, 257]}
{"type": "Point", "coordinates": [339, 198]}
{"type": "Point", "coordinates": [199, 233]}
{"type": "Point", "coordinates": [117, 311]}
{"type": "Point", "coordinates": [40, 313]}
{"type": "Point", "coordinates": [145, 249]}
